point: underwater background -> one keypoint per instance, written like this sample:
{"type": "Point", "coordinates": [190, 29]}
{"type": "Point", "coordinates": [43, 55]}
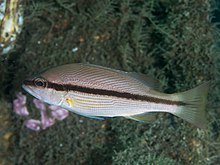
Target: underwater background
{"type": "Point", "coordinates": [176, 42]}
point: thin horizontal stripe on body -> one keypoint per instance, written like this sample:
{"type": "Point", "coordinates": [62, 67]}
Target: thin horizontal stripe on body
{"type": "Point", "coordinates": [103, 92]}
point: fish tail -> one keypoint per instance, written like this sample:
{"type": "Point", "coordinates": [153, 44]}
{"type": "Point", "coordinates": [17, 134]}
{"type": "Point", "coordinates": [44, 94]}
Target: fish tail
{"type": "Point", "coordinates": [194, 109]}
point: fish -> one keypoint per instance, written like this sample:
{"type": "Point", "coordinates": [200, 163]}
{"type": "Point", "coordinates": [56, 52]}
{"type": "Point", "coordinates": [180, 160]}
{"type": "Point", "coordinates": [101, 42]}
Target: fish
{"type": "Point", "coordinates": [99, 92]}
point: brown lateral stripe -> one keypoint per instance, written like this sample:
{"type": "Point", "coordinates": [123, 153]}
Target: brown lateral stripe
{"type": "Point", "coordinates": [70, 87]}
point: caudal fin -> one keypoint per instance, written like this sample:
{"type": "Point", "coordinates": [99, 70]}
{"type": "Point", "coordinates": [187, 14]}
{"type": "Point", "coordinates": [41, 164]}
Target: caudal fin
{"type": "Point", "coordinates": [194, 109]}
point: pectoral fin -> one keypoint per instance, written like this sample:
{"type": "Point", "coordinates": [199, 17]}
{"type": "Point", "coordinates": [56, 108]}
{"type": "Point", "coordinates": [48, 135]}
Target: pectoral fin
{"type": "Point", "coordinates": [149, 117]}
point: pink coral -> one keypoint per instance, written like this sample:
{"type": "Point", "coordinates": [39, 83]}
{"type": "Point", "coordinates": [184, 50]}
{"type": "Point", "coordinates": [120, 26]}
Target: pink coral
{"type": "Point", "coordinates": [33, 124]}
{"type": "Point", "coordinates": [39, 105]}
{"type": "Point", "coordinates": [58, 112]}
{"type": "Point", "coordinates": [19, 105]}
{"type": "Point", "coordinates": [48, 118]}
{"type": "Point", "coordinates": [46, 121]}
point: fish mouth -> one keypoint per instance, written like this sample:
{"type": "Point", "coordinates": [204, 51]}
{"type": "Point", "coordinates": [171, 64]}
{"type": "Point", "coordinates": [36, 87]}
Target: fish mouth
{"type": "Point", "coordinates": [27, 89]}
{"type": "Point", "coordinates": [31, 91]}
{"type": "Point", "coordinates": [27, 85]}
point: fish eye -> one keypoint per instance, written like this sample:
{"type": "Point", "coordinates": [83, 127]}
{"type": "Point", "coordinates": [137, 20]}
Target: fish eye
{"type": "Point", "coordinates": [39, 82]}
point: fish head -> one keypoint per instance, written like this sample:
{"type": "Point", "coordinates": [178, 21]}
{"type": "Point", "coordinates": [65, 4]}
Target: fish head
{"type": "Point", "coordinates": [42, 90]}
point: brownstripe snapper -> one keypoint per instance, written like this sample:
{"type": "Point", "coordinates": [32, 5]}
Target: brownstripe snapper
{"type": "Point", "coordinates": [97, 92]}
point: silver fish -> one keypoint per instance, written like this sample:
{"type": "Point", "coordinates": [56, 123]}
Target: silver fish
{"type": "Point", "coordinates": [96, 92]}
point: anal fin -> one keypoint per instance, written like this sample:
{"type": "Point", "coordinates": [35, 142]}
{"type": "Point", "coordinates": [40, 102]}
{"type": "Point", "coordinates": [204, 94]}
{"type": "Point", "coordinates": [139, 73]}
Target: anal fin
{"type": "Point", "coordinates": [148, 117]}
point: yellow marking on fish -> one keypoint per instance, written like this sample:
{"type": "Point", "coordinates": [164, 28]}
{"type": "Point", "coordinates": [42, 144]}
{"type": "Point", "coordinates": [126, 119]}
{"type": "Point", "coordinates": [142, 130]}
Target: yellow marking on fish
{"type": "Point", "coordinates": [70, 102]}
{"type": "Point", "coordinates": [82, 103]}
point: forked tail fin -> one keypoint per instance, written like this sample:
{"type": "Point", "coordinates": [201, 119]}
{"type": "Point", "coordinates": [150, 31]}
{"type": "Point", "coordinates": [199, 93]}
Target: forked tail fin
{"type": "Point", "coordinates": [194, 110]}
